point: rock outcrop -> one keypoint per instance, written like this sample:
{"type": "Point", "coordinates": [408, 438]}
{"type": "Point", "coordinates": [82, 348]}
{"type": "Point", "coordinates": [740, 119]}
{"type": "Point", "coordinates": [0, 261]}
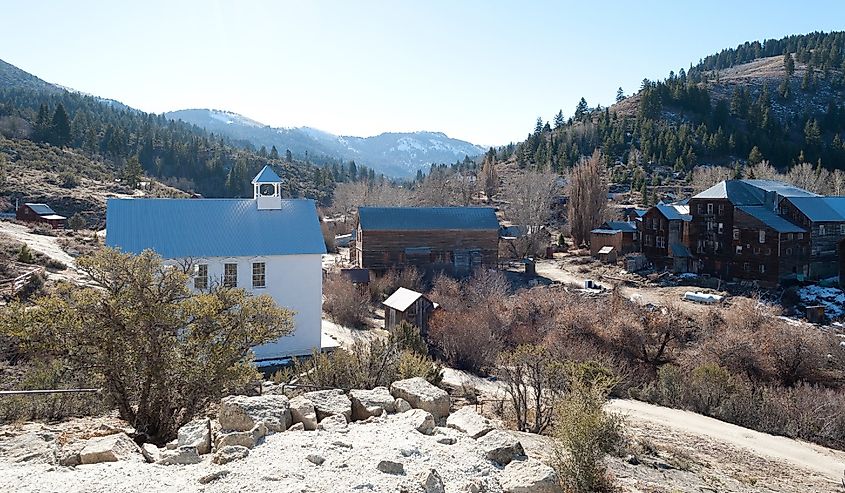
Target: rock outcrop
{"type": "Point", "coordinates": [230, 453]}
{"type": "Point", "coordinates": [302, 411]}
{"type": "Point", "coordinates": [248, 439]}
{"type": "Point", "coordinates": [181, 456]}
{"type": "Point", "coordinates": [242, 413]}
{"type": "Point", "coordinates": [421, 394]}
{"type": "Point", "coordinates": [420, 420]}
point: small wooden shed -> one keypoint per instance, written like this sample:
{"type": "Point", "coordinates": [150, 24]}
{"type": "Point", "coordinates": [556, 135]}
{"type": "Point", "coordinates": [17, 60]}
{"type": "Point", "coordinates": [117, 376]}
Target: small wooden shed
{"type": "Point", "coordinates": [408, 306]}
{"type": "Point", "coordinates": [39, 213]}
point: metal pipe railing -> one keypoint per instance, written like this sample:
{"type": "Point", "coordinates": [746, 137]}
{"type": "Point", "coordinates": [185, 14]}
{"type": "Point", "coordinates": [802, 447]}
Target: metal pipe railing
{"type": "Point", "coordinates": [47, 391]}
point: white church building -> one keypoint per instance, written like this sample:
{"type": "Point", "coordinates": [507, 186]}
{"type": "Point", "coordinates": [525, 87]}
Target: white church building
{"type": "Point", "coordinates": [265, 245]}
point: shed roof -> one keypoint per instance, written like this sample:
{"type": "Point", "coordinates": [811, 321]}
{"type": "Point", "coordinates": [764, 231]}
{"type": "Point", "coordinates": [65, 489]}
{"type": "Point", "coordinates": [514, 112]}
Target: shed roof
{"type": "Point", "coordinates": [605, 250]}
{"type": "Point", "coordinates": [178, 228]}
{"type": "Point", "coordinates": [427, 218]}
{"type": "Point", "coordinates": [402, 298]}
{"type": "Point", "coordinates": [771, 219]}
{"type": "Point", "coordinates": [53, 217]}
{"type": "Point", "coordinates": [605, 231]}
{"type": "Point", "coordinates": [674, 212]}
{"type": "Point", "coordinates": [40, 209]}
{"type": "Point", "coordinates": [266, 175]}
{"type": "Point", "coordinates": [821, 209]}
{"type": "Point", "coordinates": [622, 225]}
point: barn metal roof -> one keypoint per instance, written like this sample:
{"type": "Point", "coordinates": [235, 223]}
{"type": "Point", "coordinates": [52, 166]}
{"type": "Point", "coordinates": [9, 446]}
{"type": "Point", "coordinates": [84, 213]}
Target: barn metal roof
{"type": "Point", "coordinates": [821, 209]}
{"type": "Point", "coordinates": [427, 218]}
{"type": "Point", "coordinates": [266, 175]}
{"type": "Point", "coordinates": [622, 225]}
{"type": "Point", "coordinates": [771, 219]}
{"type": "Point", "coordinates": [178, 228]}
{"type": "Point", "coordinates": [40, 209]}
{"type": "Point", "coordinates": [751, 192]}
{"type": "Point", "coordinates": [402, 299]}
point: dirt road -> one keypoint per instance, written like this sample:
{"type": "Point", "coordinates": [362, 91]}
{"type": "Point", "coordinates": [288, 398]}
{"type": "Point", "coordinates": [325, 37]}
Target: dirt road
{"type": "Point", "coordinates": [825, 461]}
{"type": "Point", "coordinates": [48, 245]}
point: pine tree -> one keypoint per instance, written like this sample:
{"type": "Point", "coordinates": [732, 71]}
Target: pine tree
{"type": "Point", "coordinates": [353, 171]}
{"type": "Point", "coordinates": [538, 126]}
{"type": "Point", "coordinates": [262, 152]}
{"type": "Point", "coordinates": [788, 64]}
{"type": "Point", "coordinates": [755, 156]}
{"type": "Point", "coordinates": [59, 133]}
{"type": "Point", "coordinates": [288, 156]}
{"type": "Point", "coordinates": [620, 95]}
{"type": "Point", "coordinates": [42, 124]}
{"type": "Point", "coordinates": [581, 109]}
{"type": "Point", "coordinates": [132, 172]}
{"type": "Point", "coordinates": [274, 153]}
{"type": "Point", "coordinates": [559, 120]}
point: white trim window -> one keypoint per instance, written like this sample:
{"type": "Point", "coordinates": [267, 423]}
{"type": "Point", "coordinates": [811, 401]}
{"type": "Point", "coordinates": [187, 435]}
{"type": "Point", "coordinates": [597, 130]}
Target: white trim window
{"type": "Point", "coordinates": [201, 276]}
{"type": "Point", "coordinates": [259, 275]}
{"type": "Point", "coordinates": [762, 235]}
{"type": "Point", "coordinates": [822, 231]}
{"type": "Point", "coordinates": [709, 209]}
{"type": "Point", "coordinates": [230, 275]}
{"type": "Point", "coordinates": [736, 233]}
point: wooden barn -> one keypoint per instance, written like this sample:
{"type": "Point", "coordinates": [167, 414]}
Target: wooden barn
{"type": "Point", "coordinates": [458, 239]}
{"type": "Point", "coordinates": [39, 213]}
{"type": "Point", "coordinates": [406, 305]}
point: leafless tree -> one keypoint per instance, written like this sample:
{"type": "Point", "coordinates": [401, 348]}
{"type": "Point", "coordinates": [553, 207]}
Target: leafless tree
{"type": "Point", "coordinates": [529, 197]}
{"type": "Point", "coordinates": [704, 177]}
{"type": "Point", "coordinates": [804, 175]}
{"type": "Point", "coordinates": [587, 197]}
{"type": "Point", "coordinates": [438, 189]}
{"type": "Point", "coordinates": [837, 182]}
{"type": "Point", "coordinates": [763, 171]}
{"type": "Point", "coordinates": [489, 178]}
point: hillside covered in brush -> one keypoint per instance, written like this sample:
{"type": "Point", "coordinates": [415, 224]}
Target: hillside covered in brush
{"type": "Point", "coordinates": [779, 100]}
{"type": "Point", "coordinates": [113, 138]}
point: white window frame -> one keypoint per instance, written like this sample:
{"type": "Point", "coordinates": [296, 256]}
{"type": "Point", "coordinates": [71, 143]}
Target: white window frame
{"type": "Point", "coordinates": [736, 233]}
{"type": "Point", "coordinates": [709, 209]}
{"type": "Point", "coordinates": [738, 249]}
{"type": "Point", "coordinates": [230, 280]}
{"type": "Point", "coordinates": [822, 231]}
{"type": "Point", "coordinates": [761, 236]}
{"type": "Point", "coordinates": [201, 276]}
{"type": "Point", "coordinates": [762, 268]}
{"type": "Point", "coordinates": [259, 280]}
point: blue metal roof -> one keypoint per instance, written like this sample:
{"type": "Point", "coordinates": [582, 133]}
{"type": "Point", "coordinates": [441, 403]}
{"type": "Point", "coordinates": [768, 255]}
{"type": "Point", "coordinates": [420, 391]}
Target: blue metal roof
{"type": "Point", "coordinates": [771, 219]}
{"type": "Point", "coordinates": [178, 228]}
{"type": "Point", "coordinates": [621, 225]}
{"type": "Point", "coordinates": [41, 209]}
{"type": "Point", "coordinates": [427, 218]}
{"type": "Point", "coordinates": [266, 175]}
{"type": "Point", "coordinates": [821, 209]}
{"type": "Point", "coordinates": [674, 212]}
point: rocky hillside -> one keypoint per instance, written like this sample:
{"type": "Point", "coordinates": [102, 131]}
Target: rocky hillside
{"type": "Point", "coordinates": [407, 438]}
{"type": "Point", "coordinates": [398, 154]}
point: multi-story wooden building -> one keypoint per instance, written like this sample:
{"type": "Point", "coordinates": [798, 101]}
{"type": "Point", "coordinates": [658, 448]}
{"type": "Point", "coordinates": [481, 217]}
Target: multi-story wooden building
{"type": "Point", "coordinates": [665, 236]}
{"type": "Point", "coordinates": [824, 220]}
{"type": "Point", "coordinates": [449, 238]}
{"type": "Point", "coordinates": [727, 218]}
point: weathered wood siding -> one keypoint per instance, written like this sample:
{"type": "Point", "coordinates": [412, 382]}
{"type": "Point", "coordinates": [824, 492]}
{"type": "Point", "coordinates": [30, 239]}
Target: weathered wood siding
{"type": "Point", "coordinates": [707, 241]}
{"type": "Point", "coordinates": [824, 240]}
{"type": "Point", "coordinates": [383, 250]}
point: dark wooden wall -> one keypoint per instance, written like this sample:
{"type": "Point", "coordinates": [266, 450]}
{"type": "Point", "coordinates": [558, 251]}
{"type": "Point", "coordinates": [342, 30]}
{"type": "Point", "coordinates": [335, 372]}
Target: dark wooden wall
{"type": "Point", "coordinates": [823, 255]}
{"type": "Point", "coordinates": [382, 250]}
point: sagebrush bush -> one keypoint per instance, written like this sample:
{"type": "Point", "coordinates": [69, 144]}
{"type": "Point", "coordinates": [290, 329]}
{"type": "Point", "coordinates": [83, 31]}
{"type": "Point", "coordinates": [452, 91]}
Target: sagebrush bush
{"type": "Point", "coordinates": [344, 302]}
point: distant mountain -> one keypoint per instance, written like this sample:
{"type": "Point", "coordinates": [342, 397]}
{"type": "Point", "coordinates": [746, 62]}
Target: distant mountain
{"type": "Point", "coordinates": [398, 154]}
{"type": "Point", "coordinates": [11, 76]}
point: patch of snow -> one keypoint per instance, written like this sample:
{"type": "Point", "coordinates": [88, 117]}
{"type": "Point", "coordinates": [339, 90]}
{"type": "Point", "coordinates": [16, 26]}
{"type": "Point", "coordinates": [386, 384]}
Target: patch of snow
{"type": "Point", "coordinates": [832, 299]}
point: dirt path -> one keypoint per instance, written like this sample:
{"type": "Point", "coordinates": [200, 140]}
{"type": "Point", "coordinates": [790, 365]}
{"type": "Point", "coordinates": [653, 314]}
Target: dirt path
{"type": "Point", "coordinates": [808, 456]}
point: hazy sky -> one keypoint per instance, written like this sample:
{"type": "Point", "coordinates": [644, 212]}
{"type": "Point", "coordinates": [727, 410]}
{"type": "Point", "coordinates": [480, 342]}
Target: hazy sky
{"type": "Point", "coordinates": [477, 70]}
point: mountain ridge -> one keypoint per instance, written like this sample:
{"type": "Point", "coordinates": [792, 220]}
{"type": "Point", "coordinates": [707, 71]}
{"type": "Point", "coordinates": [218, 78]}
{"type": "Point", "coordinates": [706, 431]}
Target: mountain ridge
{"type": "Point", "coordinates": [399, 154]}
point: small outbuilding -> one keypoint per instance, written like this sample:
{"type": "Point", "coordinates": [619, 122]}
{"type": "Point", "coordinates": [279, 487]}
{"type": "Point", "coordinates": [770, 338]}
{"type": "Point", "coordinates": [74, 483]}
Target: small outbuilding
{"type": "Point", "coordinates": [406, 305]}
{"type": "Point", "coordinates": [39, 213]}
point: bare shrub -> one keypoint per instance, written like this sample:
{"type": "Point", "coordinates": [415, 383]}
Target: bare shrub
{"type": "Point", "coordinates": [585, 433]}
{"type": "Point", "coordinates": [344, 302]}
{"type": "Point", "coordinates": [535, 380]}
{"type": "Point", "coordinates": [383, 286]}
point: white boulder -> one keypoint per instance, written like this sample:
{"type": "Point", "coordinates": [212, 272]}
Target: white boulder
{"type": "Point", "coordinates": [401, 405]}
{"type": "Point", "coordinates": [302, 411]}
{"type": "Point", "coordinates": [335, 423]}
{"type": "Point", "coordinates": [242, 413]}
{"type": "Point", "coordinates": [420, 394]}
{"type": "Point", "coordinates": [500, 447]}
{"type": "Point", "coordinates": [180, 456]}
{"type": "Point", "coordinates": [420, 420]}
{"type": "Point", "coordinates": [469, 422]}
{"type": "Point", "coordinates": [229, 453]}
{"type": "Point", "coordinates": [196, 433]}
{"type": "Point", "coordinates": [111, 448]}
{"type": "Point", "coordinates": [248, 439]}
{"type": "Point", "coordinates": [529, 476]}
{"type": "Point", "coordinates": [329, 403]}
{"type": "Point", "coordinates": [367, 403]}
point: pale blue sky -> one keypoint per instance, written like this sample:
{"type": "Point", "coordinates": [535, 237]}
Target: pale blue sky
{"type": "Point", "coordinates": [477, 70]}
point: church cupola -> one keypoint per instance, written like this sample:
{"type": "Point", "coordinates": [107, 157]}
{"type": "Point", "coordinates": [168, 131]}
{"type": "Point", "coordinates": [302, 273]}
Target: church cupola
{"type": "Point", "coordinates": [267, 189]}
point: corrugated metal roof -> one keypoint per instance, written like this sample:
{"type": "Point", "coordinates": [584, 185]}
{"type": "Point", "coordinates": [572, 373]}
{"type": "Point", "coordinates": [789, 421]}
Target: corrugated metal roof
{"type": "Point", "coordinates": [427, 218]}
{"type": "Point", "coordinates": [177, 228]}
{"type": "Point", "coordinates": [751, 192]}
{"type": "Point", "coordinates": [266, 175]}
{"type": "Point", "coordinates": [604, 231]}
{"type": "Point", "coordinates": [402, 299]}
{"type": "Point", "coordinates": [622, 225]}
{"type": "Point", "coordinates": [821, 209]}
{"type": "Point", "coordinates": [771, 219]}
{"type": "Point", "coordinates": [40, 209]}
{"type": "Point", "coordinates": [605, 249]}
{"type": "Point", "coordinates": [675, 212]}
